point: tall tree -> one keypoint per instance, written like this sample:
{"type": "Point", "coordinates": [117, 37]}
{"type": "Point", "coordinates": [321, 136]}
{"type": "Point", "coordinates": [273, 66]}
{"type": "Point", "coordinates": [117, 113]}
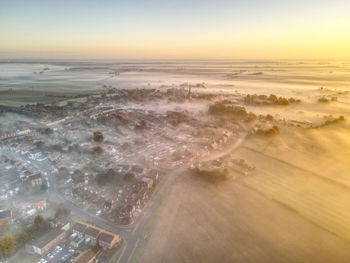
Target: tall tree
{"type": "Point", "coordinates": [7, 245]}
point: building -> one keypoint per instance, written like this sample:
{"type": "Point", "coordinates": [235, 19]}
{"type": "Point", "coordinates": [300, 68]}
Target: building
{"type": "Point", "coordinates": [91, 234]}
{"type": "Point", "coordinates": [110, 204]}
{"type": "Point", "coordinates": [46, 242]}
{"type": "Point", "coordinates": [78, 178]}
{"type": "Point", "coordinates": [54, 156]}
{"type": "Point", "coordinates": [95, 235]}
{"type": "Point", "coordinates": [5, 217]}
{"type": "Point", "coordinates": [35, 179]}
{"type": "Point", "coordinates": [108, 240]}
{"type": "Point", "coordinates": [148, 182]}
{"type": "Point", "coordinates": [79, 229]}
{"type": "Point", "coordinates": [41, 205]}
{"type": "Point", "coordinates": [86, 257]}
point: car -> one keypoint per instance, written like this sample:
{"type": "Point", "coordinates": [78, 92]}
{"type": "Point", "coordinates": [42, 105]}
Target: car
{"type": "Point", "coordinates": [64, 258]}
{"type": "Point", "coordinates": [58, 249]}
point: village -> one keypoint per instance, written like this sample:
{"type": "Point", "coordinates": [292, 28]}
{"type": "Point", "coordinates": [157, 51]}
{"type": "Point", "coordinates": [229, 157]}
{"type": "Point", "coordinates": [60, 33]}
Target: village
{"type": "Point", "coordinates": [100, 160]}
{"type": "Point", "coordinates": [79, 177]}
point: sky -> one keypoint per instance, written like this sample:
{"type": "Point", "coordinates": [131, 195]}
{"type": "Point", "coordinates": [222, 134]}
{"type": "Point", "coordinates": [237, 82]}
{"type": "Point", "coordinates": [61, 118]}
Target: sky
{"type": "Point", "coordinates": [175, 29]}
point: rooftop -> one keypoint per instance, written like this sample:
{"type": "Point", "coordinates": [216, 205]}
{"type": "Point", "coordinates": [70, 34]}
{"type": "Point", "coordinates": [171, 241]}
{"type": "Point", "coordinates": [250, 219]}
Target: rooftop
{"type": "Point", "coordinates": [47, 237]}
{"type": "Point", "coordinates": [107, 237]}
{"type": "Point", "coordinates": [35, 176]}
{"type": "Point", "coordinates": [92, 231]}
{"type": "Point", "coordinates": [85, 257]}
{"type": "Point", "coordinates": [5, 214]}
{"type": "Point", "coordinates": [79, 227]}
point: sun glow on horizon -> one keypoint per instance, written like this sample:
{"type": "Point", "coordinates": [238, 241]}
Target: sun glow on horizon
{"type": "Point", "coordinates": [200, 29]}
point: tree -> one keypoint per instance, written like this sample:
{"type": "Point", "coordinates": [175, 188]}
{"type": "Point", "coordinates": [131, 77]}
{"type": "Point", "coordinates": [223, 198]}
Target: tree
{"type": "Point", "coordinates": [98, 136]}
{"type": "Point", "coordinates": [97, 149]}
{"type": "Point", "coordinates": [38, 220]}
{"type": "Point", "coordinates": [63, 171]}
{"type": "Point", "coordinates": [43, 186]}
{"type": "Point", "coordinates": [54, 103]}
{"type": "Point", "coordinates": [22, 238]}
{"type": "Point", "coordinates": [7, 245]}
{"type": "Point", "coordinates": [62, 211]}
{"type": "Point", "coordinates": [129, 177]}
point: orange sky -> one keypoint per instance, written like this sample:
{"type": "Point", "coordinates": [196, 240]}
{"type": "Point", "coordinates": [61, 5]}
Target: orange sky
{"type": "Point", "coordinates": [181, 29]}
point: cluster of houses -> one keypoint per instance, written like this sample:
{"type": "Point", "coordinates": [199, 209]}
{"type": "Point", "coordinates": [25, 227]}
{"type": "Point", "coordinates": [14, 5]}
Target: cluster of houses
{"type": "Point", "coordinates": [81, 235]}
{"type": "Point", "coordinates": [31, 208]}
{"type": "Point", "coordinates": [95, 236]}
{"type": "Point", "coordinates": [134, 201]}
{"type": "Point", "coordinates": [120, 202]}
{"type": "Point", "coordinates": [18, 132]}
{"type": "Point", "coordinates": [25, 173]}
{"type": "Point", "coordinates": [17, 173]}
{"type": "Point", "coordinates": [46, 242]}
{"type": "Point", "coordinates": [42, 110]}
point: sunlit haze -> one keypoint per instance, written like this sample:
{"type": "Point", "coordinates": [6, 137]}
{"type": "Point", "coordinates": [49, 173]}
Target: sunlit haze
{"type": "Point", "coordinates": [167, 131]}
{"type": "Point", "coordinates": [196, 29]}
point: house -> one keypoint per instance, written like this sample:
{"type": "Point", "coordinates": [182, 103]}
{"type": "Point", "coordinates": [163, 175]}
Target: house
{"type": "Point", "coordinates": [46, 242]}
{"type": "Point", "coordinates": [107, 240]}
{"type": "Point", "coordinates": [62, 223]}
{"type": "Point", "coordinates": [35, 179]}
{"type": "Point", "coordinates": [86, 257]}
{"type": "Point", "coordinates": [79, 229]}
{"type": "Point", "coordinates": [91, 234]}
{"type": "Point", "coordinates": [78, 178]}
{"type": "Point", "coordinates": [109, 205]}
{"type": "Point", "coordinates": [126, 212]}
{"type": "Point", "coordinates": [95, 235]}
{"type": "Point", "coordinates": [41, 205]}
{"type": "Point", "coordinates": [54, 156]}
{"type": "Point", "coordinates": [148, 182]}
{"type": "Point", "coordinates": [5, 217]}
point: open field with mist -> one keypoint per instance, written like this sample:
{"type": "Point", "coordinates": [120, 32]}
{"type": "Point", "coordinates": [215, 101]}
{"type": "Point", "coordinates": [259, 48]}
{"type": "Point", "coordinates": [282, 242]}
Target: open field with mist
{"type": "Point", "coordinates": [288, 210]}
{"type": "Point", "coordinates": [292, 208]}
{"type": "Point", "coordinates": [274, 135]}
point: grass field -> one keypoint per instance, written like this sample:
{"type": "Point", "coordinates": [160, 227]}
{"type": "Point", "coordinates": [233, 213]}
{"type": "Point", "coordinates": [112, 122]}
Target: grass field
{"type": "Point", "coordinates": [321, 201]}
{"type": "Point", "coordinates": [286, 211]}
{"type": "Point", "coordinates": [200, 222]}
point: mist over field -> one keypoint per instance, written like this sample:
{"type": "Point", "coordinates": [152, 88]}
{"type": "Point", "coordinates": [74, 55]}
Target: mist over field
{"type": "Point", "coordinates": [252, 155]}
{"type": "Point", "coordinates": [174, 131]}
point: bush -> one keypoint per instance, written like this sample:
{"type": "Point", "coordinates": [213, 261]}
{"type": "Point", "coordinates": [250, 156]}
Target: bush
{"type": "Point", "coordinates": [323, 100]}
{"type": "Point", "coordinates": [98, 136]}
{"type": "Point", "coordinates": [109, 177]}
{"type": "Point", "coordinates": [225, 107]}
{"type": "Point", "coordinates": [97, 149]}
{"type": "Point", "coordinates": [269, 117]}
{"type": "Point", "coordinates": [212, 176]}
